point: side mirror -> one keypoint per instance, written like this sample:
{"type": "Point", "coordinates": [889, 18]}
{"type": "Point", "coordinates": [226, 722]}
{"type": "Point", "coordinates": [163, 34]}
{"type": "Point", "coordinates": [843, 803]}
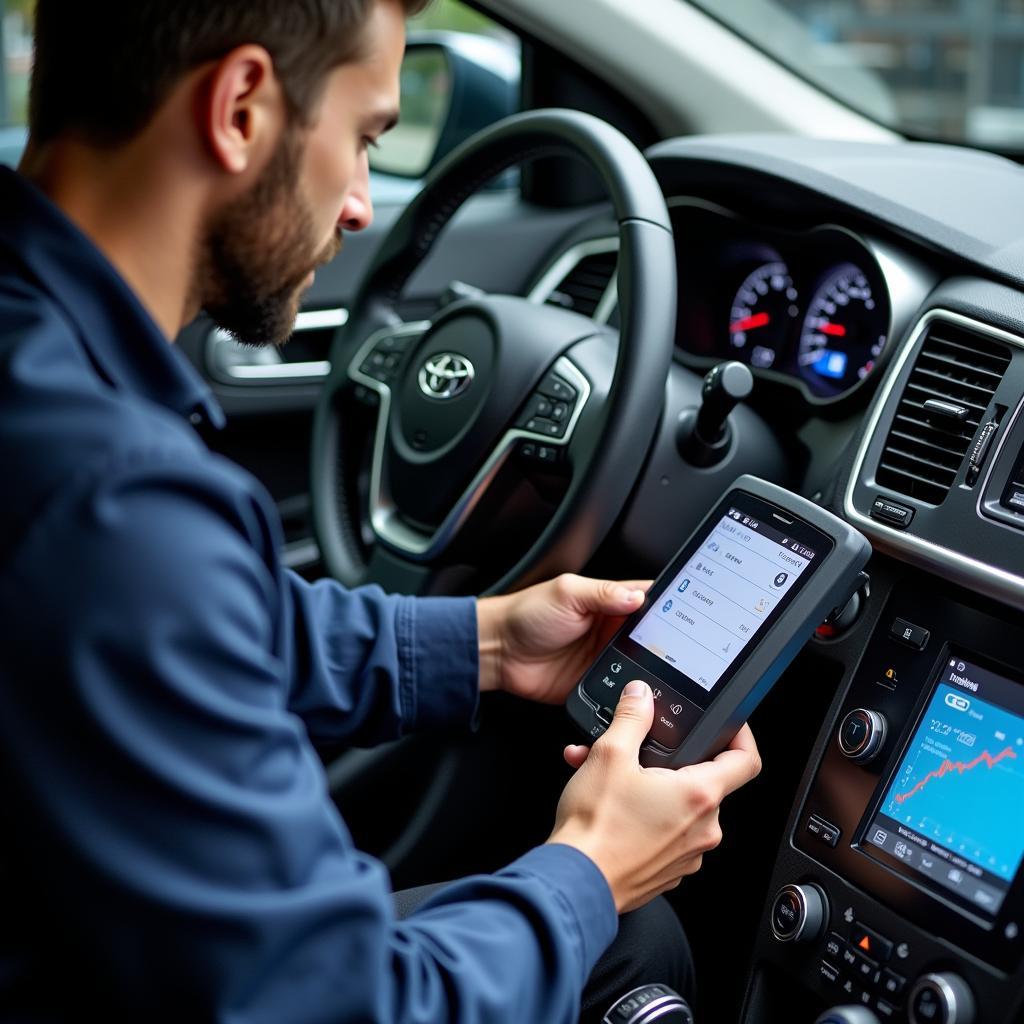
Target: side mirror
{"type": "Point", "coordinates": [453, 85]}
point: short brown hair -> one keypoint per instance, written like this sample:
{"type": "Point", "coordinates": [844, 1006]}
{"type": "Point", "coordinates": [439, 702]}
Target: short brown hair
{"type": "Point", "coordinates": [103, 68]}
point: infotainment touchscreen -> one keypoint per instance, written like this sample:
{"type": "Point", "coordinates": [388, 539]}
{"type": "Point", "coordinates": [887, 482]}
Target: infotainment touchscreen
{"type": "Point", "coordinates": [952, 815]}
{"type": "Point", "coordinates": [722, 596]}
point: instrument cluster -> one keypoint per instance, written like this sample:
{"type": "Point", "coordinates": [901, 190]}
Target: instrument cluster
{"type": "Point", "coordinates": [807, 308]}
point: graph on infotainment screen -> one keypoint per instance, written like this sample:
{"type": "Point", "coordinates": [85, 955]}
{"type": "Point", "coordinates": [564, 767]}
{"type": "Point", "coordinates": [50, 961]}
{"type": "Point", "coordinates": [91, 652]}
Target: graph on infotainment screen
{"type": "Point", "coordinates": [954, 810]}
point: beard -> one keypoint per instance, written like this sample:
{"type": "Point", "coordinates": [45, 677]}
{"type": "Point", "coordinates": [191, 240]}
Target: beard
{"type": "Point", "coordinates": [259, 251]}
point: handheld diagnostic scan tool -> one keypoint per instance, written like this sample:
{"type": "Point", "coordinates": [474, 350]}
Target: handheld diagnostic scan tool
{"type": "Point", "coordinates": [725, 618]}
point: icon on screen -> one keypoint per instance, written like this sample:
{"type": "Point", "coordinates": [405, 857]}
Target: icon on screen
{"type": "Point", "coordinates": [902, 850]}
{"type": "Point", "coordinates": [880, 836]}
{"type": "Point", "coordinates": [677, 709]}
{"type": "Point", "coordinates": [667, 606]}
{"type": "Point", "coordinates": [761, 607]}
{"type": "Point", "coordinates": [713, 546]}
{"type": "Point", "coordinates": [961, 667]}
{"type": "Point", "coordinates": [780, 580]}
{"type": "Point", "coordinates": [956, 702]}
{"type": "Point", "coordinates": [682, 586]}
{"type": "Point", "coordinates": [616, 667]}
{"type": "Point", "coordinates": [955, 876]}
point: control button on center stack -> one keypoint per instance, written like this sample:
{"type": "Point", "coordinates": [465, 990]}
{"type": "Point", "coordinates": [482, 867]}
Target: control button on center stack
{"type": "Point", "coordinates": [870, 943]}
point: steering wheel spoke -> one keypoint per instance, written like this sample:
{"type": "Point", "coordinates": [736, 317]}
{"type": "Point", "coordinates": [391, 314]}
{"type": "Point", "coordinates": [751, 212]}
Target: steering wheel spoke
{"type": "Point", "coordinates": [491, 377]}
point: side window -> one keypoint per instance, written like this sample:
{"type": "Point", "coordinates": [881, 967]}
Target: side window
{"type": "Point", "coordinates": [460, 74]}
{"type": "Point", "coordinates": [16, 51]}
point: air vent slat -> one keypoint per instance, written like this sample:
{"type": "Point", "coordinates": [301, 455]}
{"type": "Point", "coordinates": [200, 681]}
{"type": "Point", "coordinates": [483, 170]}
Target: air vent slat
{"type": "Point", "coordinates": [920, 441]}
{"type": "Point", "coordinates": [976, 357]}
{"type": "Point", "coordinates": [924, 453]}
{"type": "Point", "coordinates": [583, 287]}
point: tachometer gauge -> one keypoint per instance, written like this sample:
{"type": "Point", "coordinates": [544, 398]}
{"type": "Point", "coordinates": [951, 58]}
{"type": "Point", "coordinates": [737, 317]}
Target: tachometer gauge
{"type": "Point", "coordinates": [843, 333]}
{"type": "Point", "coordinates": [761, 314]}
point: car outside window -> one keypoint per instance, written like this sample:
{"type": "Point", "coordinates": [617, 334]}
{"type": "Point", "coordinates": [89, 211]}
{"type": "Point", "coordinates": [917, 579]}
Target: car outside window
{"type": "Point", "coordinates": [944, 70]}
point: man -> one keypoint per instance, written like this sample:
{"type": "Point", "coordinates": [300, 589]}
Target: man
{"type": "Point", "coordinates": [171, 849]}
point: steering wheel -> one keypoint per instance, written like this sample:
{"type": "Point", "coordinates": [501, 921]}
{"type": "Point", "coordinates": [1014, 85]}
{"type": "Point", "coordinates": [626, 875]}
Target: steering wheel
{"type": "Point", "coordinates": [492, 382]}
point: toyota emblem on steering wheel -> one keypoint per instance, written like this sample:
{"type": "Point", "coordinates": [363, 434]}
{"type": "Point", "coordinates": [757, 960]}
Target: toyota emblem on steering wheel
{"type": "Point", "coordinates": [446, 375]}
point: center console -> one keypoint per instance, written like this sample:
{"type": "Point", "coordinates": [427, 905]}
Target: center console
{"type": "Point", "coordinates": [899, 887]}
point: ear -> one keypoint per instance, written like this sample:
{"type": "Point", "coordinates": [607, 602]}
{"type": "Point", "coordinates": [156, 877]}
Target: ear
{"type": "Point", "coordinates": [242, 109]}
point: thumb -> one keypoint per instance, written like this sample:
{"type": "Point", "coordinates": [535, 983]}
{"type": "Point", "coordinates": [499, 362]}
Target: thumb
{"type": "Point", "coordinates": [634, 716]}
{"type": "Point", "coordinates": [608, 597]}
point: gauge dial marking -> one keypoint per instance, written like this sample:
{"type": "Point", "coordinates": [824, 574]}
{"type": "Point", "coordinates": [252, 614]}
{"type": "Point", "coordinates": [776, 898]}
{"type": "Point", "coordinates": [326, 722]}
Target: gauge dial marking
{"type": "Point", "coordinates": [765, 302]}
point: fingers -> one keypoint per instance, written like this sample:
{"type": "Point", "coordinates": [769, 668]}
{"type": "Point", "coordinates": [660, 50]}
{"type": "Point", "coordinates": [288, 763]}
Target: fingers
{"type": "Point", "coordinates": [634, 716]}
{"type": "Point", "coordinates": [575, 754]}
{"type": "Point", "coordinates": [730, 770]}
{"type": "Point", "coordinates": [606, 597]}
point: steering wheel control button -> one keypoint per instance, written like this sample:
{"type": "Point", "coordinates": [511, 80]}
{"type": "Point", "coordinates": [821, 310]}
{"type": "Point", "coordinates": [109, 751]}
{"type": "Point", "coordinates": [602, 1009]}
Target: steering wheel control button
{"type": "Point", "coordinates": [798, 913]}
{"type": "Point", "coordinates": [554, 387]}
{"type": "Point", "coordinates": [909, 634]}
{"type": "Point", "coordinates": [891, 512]}
{"type": "Point", "coordinates": [861, 735]}
{"type": "Point", "coordinates": [870, 943]}
{"type": "Point", "coordinates": [822, 830]}
{"type": "Point", "coordinates": [941, 999]}
{"type": "Point", "coordinates": [546, 428]}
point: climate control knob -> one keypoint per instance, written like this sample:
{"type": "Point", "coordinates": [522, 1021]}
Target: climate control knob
{"type": "Point", "coordinates": [799, 913]}
{"type": "Point", "coordinates": [847, 1015]}
{"type": "Point", "coordinates": [941, 999]}
{"type": "Point", "coordinates": [862, 734]}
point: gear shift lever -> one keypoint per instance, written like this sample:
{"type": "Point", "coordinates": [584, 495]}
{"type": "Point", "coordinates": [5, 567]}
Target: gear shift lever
{"type": "Point", "coordinates": [703, 435]}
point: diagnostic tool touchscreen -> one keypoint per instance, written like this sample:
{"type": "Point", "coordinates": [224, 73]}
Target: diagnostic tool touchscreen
{"type": "Point", "coordinates": [717, 602]}
{"type": "Point", "coordinates": [953, 813]}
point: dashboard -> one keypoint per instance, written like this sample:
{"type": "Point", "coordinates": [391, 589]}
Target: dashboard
{"type": "Point", "coordinates": [877, 296]}
{"type": "Point", "coordinates": [806, 308]}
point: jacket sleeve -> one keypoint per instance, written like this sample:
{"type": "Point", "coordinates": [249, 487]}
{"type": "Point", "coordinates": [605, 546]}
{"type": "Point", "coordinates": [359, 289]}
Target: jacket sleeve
{"type": "Point", "coordinates": [174, 818]}
{"type": "Point", "coordinates": [367, 667]}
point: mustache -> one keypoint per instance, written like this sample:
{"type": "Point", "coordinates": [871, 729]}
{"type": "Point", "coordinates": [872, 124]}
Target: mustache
{"type": "Point", "coordinates": [332, 249]}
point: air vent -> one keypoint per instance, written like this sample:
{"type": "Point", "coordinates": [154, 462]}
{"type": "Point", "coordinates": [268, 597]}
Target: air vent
{"type": "Point", "coordinates": [582, 289]}
{"type": "Point", "coordinates": [945, 401]}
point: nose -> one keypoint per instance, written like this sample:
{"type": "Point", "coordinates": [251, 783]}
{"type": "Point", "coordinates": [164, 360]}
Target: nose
{"type": "Point", "coordinates": [357, 211]}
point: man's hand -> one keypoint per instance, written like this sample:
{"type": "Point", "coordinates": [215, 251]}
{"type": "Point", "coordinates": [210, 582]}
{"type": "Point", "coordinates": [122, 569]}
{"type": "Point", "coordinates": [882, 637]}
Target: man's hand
{"type": "Point", "coordinates": [538, 642]}
{"type": "Point", "coordinates": [646, 828]}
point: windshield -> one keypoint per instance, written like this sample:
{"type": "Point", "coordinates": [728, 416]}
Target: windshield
{"type": "Point", "coordinates": [945, 70]}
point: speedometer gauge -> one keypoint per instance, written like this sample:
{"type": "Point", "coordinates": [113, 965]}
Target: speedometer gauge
{"type": "Point", "coordinates": [761, 313]}
{"type": "Point", "coordinates": [843, 333]}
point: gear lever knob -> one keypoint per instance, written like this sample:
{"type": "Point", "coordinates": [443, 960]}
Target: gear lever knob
{"type": "Point", "coordinates": [725, 386]}
{"type": "Point", "coordinates": [702, 435]}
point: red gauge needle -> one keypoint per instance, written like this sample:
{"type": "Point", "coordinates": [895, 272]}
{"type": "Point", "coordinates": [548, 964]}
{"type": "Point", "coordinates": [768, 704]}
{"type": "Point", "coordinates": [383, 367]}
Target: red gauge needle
{"type": "Point", "coordinates": [749, 323]}
{"type": "Point", "coordinates": [836, 330]}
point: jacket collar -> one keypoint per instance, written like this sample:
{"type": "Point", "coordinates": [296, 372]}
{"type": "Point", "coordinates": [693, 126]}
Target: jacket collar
{"type": "Point", "coordinates": [122, 339]}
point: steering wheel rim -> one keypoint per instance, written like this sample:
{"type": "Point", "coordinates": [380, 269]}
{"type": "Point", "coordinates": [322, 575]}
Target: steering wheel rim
{"type": "Point", "coordinates": [602, 481]}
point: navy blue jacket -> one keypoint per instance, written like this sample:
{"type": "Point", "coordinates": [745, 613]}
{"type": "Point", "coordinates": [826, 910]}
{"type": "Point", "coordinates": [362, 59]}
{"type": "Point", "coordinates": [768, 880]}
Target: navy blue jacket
{"type": "Point", "coordinates": [170, 850]}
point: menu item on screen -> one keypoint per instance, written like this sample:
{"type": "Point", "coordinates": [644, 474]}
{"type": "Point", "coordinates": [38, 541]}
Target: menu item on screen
{"type": "Point", "coordinates": [954, 810]}
{"type": "Point", "coordinates": [717, 603]}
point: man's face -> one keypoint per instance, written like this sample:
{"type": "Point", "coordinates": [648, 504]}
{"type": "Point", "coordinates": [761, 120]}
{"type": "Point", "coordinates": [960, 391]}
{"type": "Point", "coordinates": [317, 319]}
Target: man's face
{"type": "Point", "coordinates": [261, 251]}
